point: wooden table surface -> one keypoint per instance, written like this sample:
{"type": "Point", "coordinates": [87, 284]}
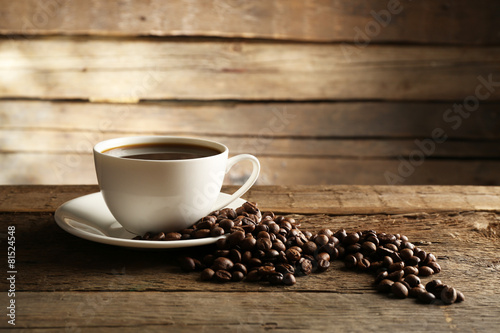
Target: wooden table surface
{"type": "Point", "coordinates": [64, 283]}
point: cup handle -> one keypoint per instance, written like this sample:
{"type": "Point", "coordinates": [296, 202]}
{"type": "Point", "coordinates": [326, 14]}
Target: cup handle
{"type": "Point", "coordinates": [250, 181]}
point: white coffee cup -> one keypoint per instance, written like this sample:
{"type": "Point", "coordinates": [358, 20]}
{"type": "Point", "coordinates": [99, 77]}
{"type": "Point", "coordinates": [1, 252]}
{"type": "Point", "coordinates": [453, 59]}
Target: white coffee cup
{"type": "Point", "coordinates": [165, 195]}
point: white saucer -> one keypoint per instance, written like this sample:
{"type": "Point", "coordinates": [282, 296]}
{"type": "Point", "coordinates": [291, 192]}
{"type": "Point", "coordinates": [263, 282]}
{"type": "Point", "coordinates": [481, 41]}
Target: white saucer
{"type": "Point", "coordinates": [89, 218]}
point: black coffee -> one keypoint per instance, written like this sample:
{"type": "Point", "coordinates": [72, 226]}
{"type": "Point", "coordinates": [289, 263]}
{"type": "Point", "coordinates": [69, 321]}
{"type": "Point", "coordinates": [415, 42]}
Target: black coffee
{"type": "Point", "coordinates": [162, 151]}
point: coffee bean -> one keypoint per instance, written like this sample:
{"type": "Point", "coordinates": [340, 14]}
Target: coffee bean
{"type": "Point", "coordinates": [431, 285]}
{"type": "Point", "coordinates": [406, 253]}
{"type": "Point", "coordinates": [246, 256]}
{"type": "Point", "coordinates": [253, 276]}
{"type": "Point", "coordinates": [292, 255]}
{"type": "Point", "coordinates": [172, 236]}
{"type": "Point", "coordinates": [330, 249]}
{"type": "Point", "coordinates": [407, 245]}
{"type": "Point", "coordinates": [368, 248]}
{"type": "Point", "coordinates": [160, 236]}
{"type": "Point", "coordinates": [385, 286]}
{"type": "Point", "coordinates": [421, 254]}
{"type": "Point", "coordinates": [248, 229]}
{"type": "Point", "coordinates": [217, 231]}
{"type": "Point", "coordinates": [448, 295]}
{"type": "Point", "coordinates": [425, 271]}
{"type": "Point", "coordinates": [275, 278]}
{"type": "Point", "coordinates": [435, 267]}
{"type": "Point", "coordinates": [187, 264]}
{"type": "Point", "coordinates": [341, 251]}
{"type": "Point", "coordinates": [372, 238]}
{"type": "Point", "coordinates": [405, 284]}
{"type": "Point", "coordinates": [410, 270]}
{"type": "Point", "coordinates": [350, 261]}
{"type": "Point", "coordinates": [263, 234]}
{"type": "Point", "coordinates": [412, 261]}
{"type": "Point", "coordinates": [358, 255]}
{"type": "Point", "coordinates": [223, 276]}
{"type": "Point", "coordinates": [351, 238]}
{"type": "Point", "coordinates": [229, 213]}
{"type": "Point", "coordinates": [278, 245]}
{"type": "Point", "coordinates": [207, 274]}
{"type": "Point", "coordinates": [265, 271]}
{"type": "Point", "coordinates": [264, 244]}
{"type": "Point", "coordinates": [399, 290]}
{"type": "Point", "coordinates": [397, 266]}
{"type": "Point", "coordinates": [222, 263]}
{"type": "Point", "coordinates": [289, 279]}
{"type": "Point", "coordinates": [396, 275]}
{"type": "Point", "coordinates": [305, 266]}
{"type": "Point", "coordinates": [285, 225]}
{"type": "Point", "coordinates": [239, 267]}
{"type": "Point", "coordinates": [327, 232]}
{"type": "Point", "coordinates": [250, 207]}
{"type": "Point", "coordinates": [206, 223]}
{"type": "Point", "coordinates": [255, 262]}
{"type": "Point", "coordinates": [391, 247]}
{"type": "Point", "coordinates": [208, 260]}
{"type": "Point", "coordinates": [428, 259]}
{"type": "Point", "coordinates": [322, 256]}
{"type": "Point", "coordinates": [309, 247]}
{"type": "Point", "coordinates": [460, 297]}
{"type": "Point", "coordinates": [323, 265]}
{"type": "Point", "coordinates": [234, 256]}
{"type": "Point", "coordinates": [237, 276]}
{"type": "Point", "coordinates": [222, 244]}
{"type": "Point", "coordinates": [412, 280]}
{"type": "Point", "coordinates": [363, 264]}
{"type": "Point", "coordinates": [285, 268]}
{"type": "Point", "coordinates": [426, 297]}
{"type": "Point", "coordinates": [248, 243]}
{"type": "Point", "coordinates": [235, 238]}
{"type": "Point", "coordinates": [387, 261]}
{"type": "Point", "coordinates": [415, 291]}
{"type": "Point", "coordinates": [353, 248]}
{"type": "Point", "coordinates": [396, 257]}
{"type": "Point", "coordinates": [381, 276]}
{"type": "Point", "coordinates": [437, 291]}
{"type": "Point", "coordinates": [201, 233]}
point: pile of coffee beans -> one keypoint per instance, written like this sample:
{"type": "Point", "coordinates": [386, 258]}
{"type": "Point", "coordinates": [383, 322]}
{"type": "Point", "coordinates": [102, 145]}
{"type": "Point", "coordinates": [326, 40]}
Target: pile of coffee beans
{"type": "Point", "coordinates": [262, 246]}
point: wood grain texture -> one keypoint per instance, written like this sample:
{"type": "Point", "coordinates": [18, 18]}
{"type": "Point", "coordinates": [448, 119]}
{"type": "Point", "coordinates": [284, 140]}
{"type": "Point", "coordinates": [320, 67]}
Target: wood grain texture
{"type": "Point", "coordinates": [332, 199]}
{"type": "Point", "coordinates": [80, 142]}
{"type": "Point", "coordinates": [313, 20]}
{"type": "Point", "coordinates": [344, 120]}
{"type": "Point", "coordinates": [74, 168]}
{"type": "Point", "coordinates": [466, 246]}
{"type": "Point", "coordinates": [66, 283]}
{"type": "Point", "coordinates": [140, 69]}
{"type": "Point", "coordinates": [252, 312]}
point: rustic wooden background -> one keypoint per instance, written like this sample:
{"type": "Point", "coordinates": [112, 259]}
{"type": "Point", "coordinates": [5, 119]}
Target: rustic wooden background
{"type": "Point", "coordinates": [322, 91]}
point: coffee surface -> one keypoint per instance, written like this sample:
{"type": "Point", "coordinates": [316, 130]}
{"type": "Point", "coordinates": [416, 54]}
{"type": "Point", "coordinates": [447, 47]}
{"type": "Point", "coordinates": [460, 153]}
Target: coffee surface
{"type": "Point", "coordinates": [162, 151]}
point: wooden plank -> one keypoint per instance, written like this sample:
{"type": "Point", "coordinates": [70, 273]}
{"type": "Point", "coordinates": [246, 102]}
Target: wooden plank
{"type": "Point", "coordinates": [344, 120]}
{"type": "Point", "coordinates": [252, 312]}
{"type": "Point", "coordinates": [64, 142]}
{"type": "Point", "coordinates": [35, 168]}
{"type": "Point", "coordinates": [134, 69]}
{"type": "Point", "coordinates": [312, 20]}
{"type": "Point", "coordinates": [332, 199]}
{"type": "Point", "coordinates": [457, 231]}
{"type": "Point", "coordinates": [462, 242]}
{"type": "Point", "coordinates": [67, 282]}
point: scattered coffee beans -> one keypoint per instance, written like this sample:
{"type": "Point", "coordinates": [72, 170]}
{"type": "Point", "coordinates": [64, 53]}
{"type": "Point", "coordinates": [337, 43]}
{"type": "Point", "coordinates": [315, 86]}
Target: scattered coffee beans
{"type": "Point", "coordinates": [262, 246]}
